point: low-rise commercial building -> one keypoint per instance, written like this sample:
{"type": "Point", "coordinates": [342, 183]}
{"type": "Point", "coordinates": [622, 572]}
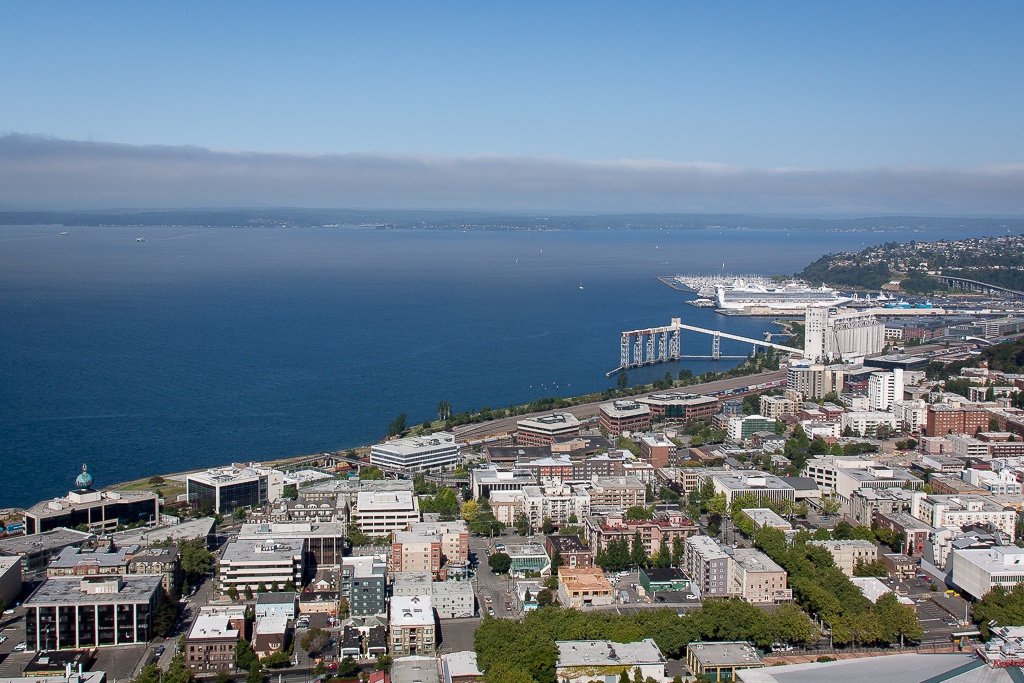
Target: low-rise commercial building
{"type": "Point", "coordinates": [528, 557]}
{"type": "Point", "coordinates": [658, 450]}
{"type": "Point", "coordinates": [766, 517]}
{"type": "Point", "coordinates": [721, 660]}
{"type": "Point", "coordinates": [99, 511]}
{"type": "Point", "coordinates": [965, 510]}
{"type": "Point", "coordinates": [36, 551]}
{"type": "Point", "coordinates": [581, 660]}
{"type": "Point", "coordinates": [584, 587]}
{"type": "Point", "coordinates": [571, 549]}
{"type": "Point", "coordinates": [760, 485]}
{"type": "Point", "coordinates": [284, 604]}
{"type": "Point", "coordinates": [453, 599]}
{"type": "Point", "coordinates": [680, 407]}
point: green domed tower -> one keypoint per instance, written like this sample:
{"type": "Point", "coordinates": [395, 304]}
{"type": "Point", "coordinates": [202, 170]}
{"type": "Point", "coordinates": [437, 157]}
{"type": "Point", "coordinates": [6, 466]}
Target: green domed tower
{"type": "Point", "coordinates": [84, 480]}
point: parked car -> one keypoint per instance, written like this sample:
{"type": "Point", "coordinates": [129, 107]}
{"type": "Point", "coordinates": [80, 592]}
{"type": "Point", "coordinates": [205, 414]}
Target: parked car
{"type": "Point", "coordinates": [21, 647]}
{"type": "Point", "coordinates": [3, 639]}
{"type": "Point", "coordinates": [160, 650]}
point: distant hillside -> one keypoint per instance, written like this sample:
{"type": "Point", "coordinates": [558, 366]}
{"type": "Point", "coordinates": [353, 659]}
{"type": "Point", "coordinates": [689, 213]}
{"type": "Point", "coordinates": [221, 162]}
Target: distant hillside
{"type": "Point", "coordinates": [994, 260]}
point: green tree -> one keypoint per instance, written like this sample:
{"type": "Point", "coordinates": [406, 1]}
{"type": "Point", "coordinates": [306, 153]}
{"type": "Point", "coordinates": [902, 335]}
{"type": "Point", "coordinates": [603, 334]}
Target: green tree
{"type": "Point", "coordinates": [639, 512]}
{"type": "Point", "coordinates": [522, 524]}
{"type": "Point", "coordinates": [545, 597]}
{"type": "Point", "coordinates": [370, 473]}
{"type": "Point", "coordinates": [664, 556]}
{"type": "Point", "coordinates": [548, 527]}
{"type": "Point", "coordinates": [500, 563]}
{"type": "Point", "coordinates": [232, 592]}
{"type": "Point", "coordinates": [470, 510]}
{"type": "Point", "coordinates": [637, 553]}
{"type": "Point", "coordinates": [239, 513]}
{"type": "Point", "coordinates": [150, 674]}
{"type": "Point", "coordinates": [397, 426]}
{"type": "Point", "coordinates": [222, 677]}
{"type": "Point", "coordinates": [290, 491]}
{"type": "Point", "coordinates": [196, 560]}
{"type": "Point", "coordinates": [347, 668]}
{"type": "Point", "coordinates": [622, 381]}
{"type": "Point", "coordinates": [245, 658]}
{"type": "Point", "coordinates": [255, 675]}
{"type": "Point", "coordinates": [383, 663]}
{"type": "Point", "coordinates": [315, 640]}
{"type": "Point", "coordinates": [165, 616]}
{"type": "Point", "coordinates": [248, 592]}
{"type": "Point", "coordinates": [556, 562]}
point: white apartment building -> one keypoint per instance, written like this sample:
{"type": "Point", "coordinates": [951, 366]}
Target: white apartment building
{"type": "Point", "coordinates": [416, 454]}
{"type": "Point", "coordinates": [965, 509]}
{"type": "Point", "coordinates": [558, 503]}
{"type": "Point", "coordinates": [1002, 483]}
{"type": "Point", "coordinates": [965, 446]}
{"type": "Point", "coordinates": [380, 512]}
{"type": "Point", "coordinates": [865, 422]}
{"type": "Point", "coordinates": [824, 469]}
{"type": "Point", "coordinates": [884, 389]}
{"type": "Point", "coordinates": [848, 554]}
{"type": "Point", "coordinates": [911, 415]}
{"type": "Point", "coordinates": [251, 564]}
{"type": "Point", "coordinates": [849, 480]}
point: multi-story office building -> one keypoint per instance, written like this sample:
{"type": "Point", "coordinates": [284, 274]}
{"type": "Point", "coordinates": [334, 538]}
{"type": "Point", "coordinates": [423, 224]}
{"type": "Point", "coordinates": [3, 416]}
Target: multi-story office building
{"type": "Point", "coordinates": [324, 543]}
{"type": "Point", "coordinates": [760, 485]}
{"type": "Point", "coordinates": [545, 429]}
{"type": "Point", "coordinates": [211, 642]}
{"type": "Point", "coordinates": [824, 469]}
{"type": "Point", "coordinates": [708, 566]}
{"type": "Point", "coordinates": [91, 561]}
{"type": "Point", "coordinates": [680, 407]}
{"type": "Point", "coordinates": [849, 480]}
{"type": "Point", "coordinates": [91, 611]}
{"type": "Point", "coordinates": [252, 564]}
{"type": "Point", "coordinates": [417, 453]}
{"type": "Point", "coordinates": [624, 416]}
{"type": "Point", "coordinates": [484, 480]}
{"type": "Point", "coordinates": [440, 548]}
{"type": "Point", "coordinates": [528, 557]}
{"type": "Point", "coordinates": [380, 513]}
{"type": "Point", "coordinates": [977, 572]}
{"type": "Point", "coordinates": [848, 554]}
{"type": "Point", "coordinates": [364, 584]}
{"type": "Point", "coordinates": [915, 533]}
{"type": "Point", "coordinates": [658, 450]}
{"type": "Point", "coordinates": [742, 428]}
{"type": "Point", "coordinates": [758, 579]}
{"type": "Point", "coordinates": [99, 511]}
{"type": "Point", "coordinates": [412, 630]}
{"type": "Point", "coordinates": [225, 489]}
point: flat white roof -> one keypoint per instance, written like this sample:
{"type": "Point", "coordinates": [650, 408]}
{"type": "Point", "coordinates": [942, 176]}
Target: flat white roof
{"type": "Point", "coordinates": [384, 501]}
{"type": "Point", "coordinates": [417, 444]}
{"type": "Point", "coordinates": [606, 653]}
{"type": "Point", "coordinates": [409, 610]}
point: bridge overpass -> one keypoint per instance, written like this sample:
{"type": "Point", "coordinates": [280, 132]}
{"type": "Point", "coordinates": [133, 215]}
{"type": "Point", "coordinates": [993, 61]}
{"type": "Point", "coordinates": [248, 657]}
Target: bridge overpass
{"type": "Point", "coordinates": [662, 344]}
{"type": "Point", "coordinates": [957, 282]}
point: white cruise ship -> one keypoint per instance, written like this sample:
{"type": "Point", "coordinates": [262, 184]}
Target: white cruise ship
{"type": "Point", "coordinates": [791, 296]}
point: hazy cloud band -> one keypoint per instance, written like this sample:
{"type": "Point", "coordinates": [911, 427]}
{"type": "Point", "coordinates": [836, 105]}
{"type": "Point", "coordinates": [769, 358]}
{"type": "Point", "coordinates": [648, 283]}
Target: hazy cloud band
{"type": "Point", "coordinates": [45, 173]}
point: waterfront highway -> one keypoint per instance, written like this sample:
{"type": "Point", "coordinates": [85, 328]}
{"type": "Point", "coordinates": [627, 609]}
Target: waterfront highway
{"type": "Point", "coordinates": [583, 411]}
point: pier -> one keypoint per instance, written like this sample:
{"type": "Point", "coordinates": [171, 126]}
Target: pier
{"type": "Point", "coordinates": [662, 345]}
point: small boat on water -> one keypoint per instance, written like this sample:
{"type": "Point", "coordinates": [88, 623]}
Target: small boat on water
{"type": "Point", "coordinates": [65, 233]}
{"type": "Point", "coordinates": [701, 303]}
{"type": "Point", "coordinates": [140, 239]}
{"type": "Point", "coordinates": [581, 285]}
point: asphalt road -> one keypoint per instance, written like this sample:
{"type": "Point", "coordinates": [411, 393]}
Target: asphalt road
{"type": "Point", "coordinates": [583, 411]}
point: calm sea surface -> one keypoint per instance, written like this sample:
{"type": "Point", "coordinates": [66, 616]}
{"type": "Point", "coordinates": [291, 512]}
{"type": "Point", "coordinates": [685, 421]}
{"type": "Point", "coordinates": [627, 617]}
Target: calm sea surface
{"type": "Point", "coordinates": [200, 347]}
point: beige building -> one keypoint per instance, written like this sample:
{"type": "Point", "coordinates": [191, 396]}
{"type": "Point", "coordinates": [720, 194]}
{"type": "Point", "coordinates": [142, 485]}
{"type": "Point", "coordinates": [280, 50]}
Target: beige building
{"type": "Point", "coordinates": [847, 554]}
{"type": "Point", "coordinates": [434, 547]}
{"type": "Point", "coordinates": [584, 587]}
{"type": "Point", "coordinates": [380, 512]}
{"type": "Point", "coordinates": [774, 407]}
{"type": "Point", "coordinates": [412, 626]}
{"type": "Point", "coordinates": [757, 579]}
{"type": "Point", "coordinates": [622, 492]}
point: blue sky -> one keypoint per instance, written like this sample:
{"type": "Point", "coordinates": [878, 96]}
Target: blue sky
{"type": "Point", "coordinates": [829, 87]}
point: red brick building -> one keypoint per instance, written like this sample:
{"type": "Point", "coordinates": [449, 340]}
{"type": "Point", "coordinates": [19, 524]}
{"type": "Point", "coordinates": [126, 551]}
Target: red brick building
{"type": "Point", "coordinates": [625, 416]}
{"type": "Point", "coordinates": [944, 420]}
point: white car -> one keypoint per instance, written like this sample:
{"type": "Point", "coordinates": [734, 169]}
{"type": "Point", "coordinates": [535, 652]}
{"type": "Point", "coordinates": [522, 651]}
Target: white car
{"type": "Point", "coordinates": [3, 639]}
{"type": "Point", "coordinates": [21, 647]}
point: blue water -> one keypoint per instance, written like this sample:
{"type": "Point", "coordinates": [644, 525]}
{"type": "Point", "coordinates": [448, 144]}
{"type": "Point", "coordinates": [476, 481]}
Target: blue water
{"type": "Point", "coordinates": [200, 346]}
